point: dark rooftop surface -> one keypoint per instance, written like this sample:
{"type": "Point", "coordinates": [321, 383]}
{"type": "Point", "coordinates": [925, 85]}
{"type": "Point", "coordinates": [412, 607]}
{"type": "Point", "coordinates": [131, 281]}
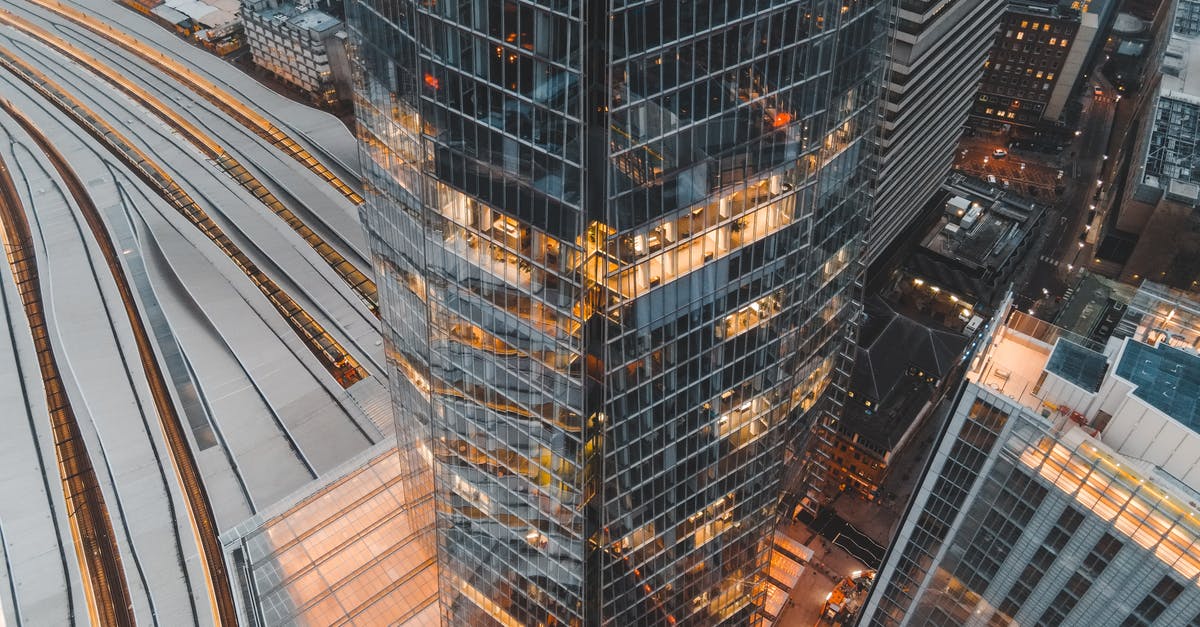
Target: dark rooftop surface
{"type": "Point", "coordinates": [889, 345]}
{"type": "Point", "coordinates": [1166, 378]}
{"type": "Point", "coordinates": [1082, 367]}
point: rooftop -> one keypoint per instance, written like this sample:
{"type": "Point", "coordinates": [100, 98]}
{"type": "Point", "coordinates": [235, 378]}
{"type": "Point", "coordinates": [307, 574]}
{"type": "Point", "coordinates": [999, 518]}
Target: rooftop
{"type": "Point", "coordinates": [303, 19]}
{"type": "Point", "coordinates": [1081, 366]}
{"type": "Point", "coordinates": [1160, 313]}
{"type": "Point", "coordinates": [891, 347]}
{"type": "Point", "coordinates": [981, 226]}
{"type": "Point", "coordinates": [1094, 306]}
{"type": "Point", "coordinates": [1013, 363]}
{"type": "Point", "coordinates": [1172, 154]}
{"type": "Point", "coordinates": [1167, 378]}
{"type": "Point", "coordinates": [890, 343]}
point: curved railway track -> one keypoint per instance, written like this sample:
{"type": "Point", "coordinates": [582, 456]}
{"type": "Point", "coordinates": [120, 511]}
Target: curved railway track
{"type": "Point", "coordinates": [359, 282]}
{"type": "Point", "coordinates": [336, 359]}
{"type": "Point", "coordinates": [105, 587]}
{"type": "Point", "coordinates": [187, 471]}
{"type": "Point", "coordinates": [208, 90]}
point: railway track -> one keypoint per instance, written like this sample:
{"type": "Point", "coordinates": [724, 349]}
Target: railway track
{"type": "Point", "coordinates": [105, 587]}
{"type": "Point", "coordinates": [208, 90]}
{"type": "Point", "coordinates": [187, 471]}
{"type": "Point", "coordinates": [358, 281]}
{"type": "Point", "coordinates": [344, 368]}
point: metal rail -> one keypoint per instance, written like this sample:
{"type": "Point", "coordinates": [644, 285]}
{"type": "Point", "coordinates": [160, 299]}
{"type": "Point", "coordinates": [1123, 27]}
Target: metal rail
{"type": "Point", "coordinates": [99, 556]}
{"type": "Point", "coordinates": [206, 89]}
{"type": "Point", "coordinates": [335, 358]}
{"type": "Point", "coordinates": [359, 282]}
{"type": "Point", "coordinates": [187, 471]}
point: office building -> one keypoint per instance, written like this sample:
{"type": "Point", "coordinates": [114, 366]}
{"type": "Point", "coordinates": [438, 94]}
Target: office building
{"type": "Point", "coordinates": [935, 64]}
{"type": "Point", "coordinates": [301, 45]}
{"type": "Point", "coordinates": [967, 257]}
{"type": "Point", "coordinates": [1063, 490]}
{"type": "Point", "coordinates": [1155, 234]}
{"type": "Point", "coordinates": [1037, 61]}
{"type": "Point", "coordinates": [619, 246]}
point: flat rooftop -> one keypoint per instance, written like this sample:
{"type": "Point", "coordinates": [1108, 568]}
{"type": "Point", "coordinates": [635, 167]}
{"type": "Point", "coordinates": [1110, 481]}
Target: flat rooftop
{"type": "Point", "coordinates": [1081, 366]}
{"type": "Point", "coordinates": [980, 227]}
{"type": "Point", "coordinates": [310, 19]}
{"type": "Point", "coordinates": [1019, 352]}
{"type": "Point", "coordinates": [1167, 378]}
{"type": "Point", "coordinates": [1172, 159]}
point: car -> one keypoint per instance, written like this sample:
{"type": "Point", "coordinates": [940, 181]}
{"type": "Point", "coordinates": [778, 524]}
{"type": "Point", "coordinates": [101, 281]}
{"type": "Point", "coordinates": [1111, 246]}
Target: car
{"type": "Point", "coordinates": [991, 179]}
{"type": "Point", "coordinates": [999, 153]}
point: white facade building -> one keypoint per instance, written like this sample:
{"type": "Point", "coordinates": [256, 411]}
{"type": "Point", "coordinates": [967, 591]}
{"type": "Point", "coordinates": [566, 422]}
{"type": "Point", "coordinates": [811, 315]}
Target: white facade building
{"type": "Point", "coordinates": [1063, 489]}
{"type": "Point", "coordinates": [303, 46]}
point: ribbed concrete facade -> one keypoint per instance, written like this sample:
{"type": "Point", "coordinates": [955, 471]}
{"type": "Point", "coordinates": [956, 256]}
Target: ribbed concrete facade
{"type": "Point", "coordinates": [937, 55]}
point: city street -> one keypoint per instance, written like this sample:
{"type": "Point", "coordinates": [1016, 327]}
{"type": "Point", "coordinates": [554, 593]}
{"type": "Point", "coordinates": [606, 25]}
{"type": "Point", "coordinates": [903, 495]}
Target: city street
{"type": "Point", "coordinates": [1060, 250]}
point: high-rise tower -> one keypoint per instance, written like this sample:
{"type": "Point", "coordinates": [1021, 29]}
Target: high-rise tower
{"type": "Point", "coordinates": [619, 248]}
{"type": "Point", "coordinates": [936, 58]}
{"type": "Point", "coordinates": [1063, 487]}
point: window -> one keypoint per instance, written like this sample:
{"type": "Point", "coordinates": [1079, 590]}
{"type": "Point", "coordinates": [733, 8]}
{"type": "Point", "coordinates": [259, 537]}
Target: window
{"type": "Point", "coordinates": [1163, 594]}
{"type": "Point", "coordinates": [1020, 36]}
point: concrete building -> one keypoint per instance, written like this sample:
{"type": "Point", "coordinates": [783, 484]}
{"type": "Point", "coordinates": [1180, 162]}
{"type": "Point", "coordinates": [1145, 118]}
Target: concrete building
{"type": "Point", "coordinates": [620, 249]}
{"type": "Point", "coordinates": [1063, 489]}
{"type": "Point", "coordinates": [1157, 212]}
{"type": "Point", "coordinates": [303, 46]}
{"type": "Point", "coordinates": [899, 373]}
{"type": "Point", "coordinates": [935, 64]}
{"type": "Point", "coordinates": [968, 255]}
{"type": "Point", "coordinates": [1042, 49]}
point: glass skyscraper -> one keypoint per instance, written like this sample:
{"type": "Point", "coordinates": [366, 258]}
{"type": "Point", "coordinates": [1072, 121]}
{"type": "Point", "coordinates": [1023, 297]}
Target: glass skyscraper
{"type": "Point", "coordinates": [618, 245]}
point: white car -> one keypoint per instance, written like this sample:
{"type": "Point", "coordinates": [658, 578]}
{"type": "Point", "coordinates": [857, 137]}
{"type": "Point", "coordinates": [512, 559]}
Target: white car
{"type": "Point", "coordinates": [999, 153]}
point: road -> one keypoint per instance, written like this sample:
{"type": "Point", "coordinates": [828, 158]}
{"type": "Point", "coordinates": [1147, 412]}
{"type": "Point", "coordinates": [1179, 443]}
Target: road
{"type": "Point", "coordinates": [1061, 249]}
{"type": "Point", "coordinates": [205, 288]}
{"type": "Point", "coordinates": [838, 531]}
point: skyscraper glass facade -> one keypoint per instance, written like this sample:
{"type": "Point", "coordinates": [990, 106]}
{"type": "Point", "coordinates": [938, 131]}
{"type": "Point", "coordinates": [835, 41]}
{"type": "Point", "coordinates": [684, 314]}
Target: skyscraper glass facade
{"type": "Point", "coordinates": [619, 248]}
